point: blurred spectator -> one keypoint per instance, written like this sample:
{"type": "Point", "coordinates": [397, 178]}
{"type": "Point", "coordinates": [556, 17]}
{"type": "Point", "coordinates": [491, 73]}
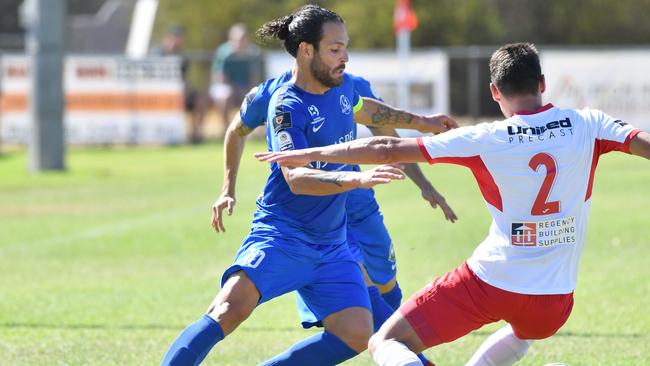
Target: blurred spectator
{"type": "Point", "coordinates": [197, 104]}
{"type": "Point", "coordinates": [237, 66]}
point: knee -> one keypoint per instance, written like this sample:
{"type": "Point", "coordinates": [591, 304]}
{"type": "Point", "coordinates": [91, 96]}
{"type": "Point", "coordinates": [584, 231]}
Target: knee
{"type": "Point", "coordinates": [356, 334]}
{"type": "Point", "coordinates": [228, 314]}
{"type": "Point", "coordinates": [234, 303]}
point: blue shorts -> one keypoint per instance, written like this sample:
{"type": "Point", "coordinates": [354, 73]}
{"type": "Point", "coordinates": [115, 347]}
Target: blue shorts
{"type": "Point", "coordinates": [326, 278]}
{"type": "Point", "coordinates": [371, 246]}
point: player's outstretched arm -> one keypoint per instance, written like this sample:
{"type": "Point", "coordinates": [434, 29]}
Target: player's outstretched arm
{"type": "Point", "coordinates": [233, 148]}
{"type": "Point", "coordinates": [428, 192]}
{"type": "Point", "coordinates": [413, 171]}
{"type": "Point", "coordinates": [640, 145]}
{"type": "Point", "coordinates": [317, 182]}
{"type": "Point", "coordinates": [374, 113]}
{"type": "Point", "coordinates": [372, 150]}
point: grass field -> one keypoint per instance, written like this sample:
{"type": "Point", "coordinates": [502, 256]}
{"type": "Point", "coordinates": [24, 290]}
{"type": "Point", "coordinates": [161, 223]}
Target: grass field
{"type": "Point", "coordinates": [106, 263]}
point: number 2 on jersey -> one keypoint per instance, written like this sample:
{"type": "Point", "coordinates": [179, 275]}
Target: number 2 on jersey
{"type": "Point", "coordinates": [541, 206]}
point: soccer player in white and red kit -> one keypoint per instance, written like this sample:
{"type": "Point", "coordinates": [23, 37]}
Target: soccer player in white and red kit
{"type": "Point", "coordinates": [535, 170]}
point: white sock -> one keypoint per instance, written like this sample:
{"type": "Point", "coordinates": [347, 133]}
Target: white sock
{"type": "Point", "coordinates": [502, 348]}
{"type": "Point", "coordinates": [393, 353]}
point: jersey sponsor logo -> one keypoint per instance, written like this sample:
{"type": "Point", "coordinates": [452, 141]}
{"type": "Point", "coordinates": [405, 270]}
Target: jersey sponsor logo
{"type": "Point", "coordinates": [322, 165]}
{"type": "Point", "coordinates": [545, 233]}
{"type": "Point", "coordinates": [539, 130]}
{"type": "Point", "coordinates": [343, 139]}
{"type": "Point", "coordinates": [621, 123]}
{"type": "Point", "coordinates": [524, 234]}
{"type": "Point", "coordinates": [284, 141]}
{"type": "Point", "coordinates": [538, 133]}
{"type": "Point", "coordinates": [281, 121]}
{"type": "Point", "coordinates": [346, 106]}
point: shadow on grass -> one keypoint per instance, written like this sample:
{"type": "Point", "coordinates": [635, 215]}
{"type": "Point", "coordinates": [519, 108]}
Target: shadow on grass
{"type": "Point", "coordinates": [275, 329]}
{"type": "Point", "coordinates": [132, 327]}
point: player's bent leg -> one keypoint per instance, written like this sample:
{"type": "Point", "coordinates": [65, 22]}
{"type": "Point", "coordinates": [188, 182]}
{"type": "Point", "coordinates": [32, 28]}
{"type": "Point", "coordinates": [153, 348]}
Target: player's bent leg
{"type": "Point", "coordinates": [234, 303]}
{"type": "Point", "coordinates": [503, 348]}
{"type": "Point", "coordinates": [381, 310]}
{"type": "Point", "coordinates": [333, 346]}
{"type": "Point", "coordinates": [352, 325]}
{"type": "Point", "coordinates": [398, 329]}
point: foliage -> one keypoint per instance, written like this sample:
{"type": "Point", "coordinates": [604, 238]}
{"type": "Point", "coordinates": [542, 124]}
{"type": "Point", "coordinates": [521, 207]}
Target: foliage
{"type": "Point", "coordinates": [442, 22]}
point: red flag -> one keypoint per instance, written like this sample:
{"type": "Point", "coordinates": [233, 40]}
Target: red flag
{"type": "Point", "coordinates": [404, 17]}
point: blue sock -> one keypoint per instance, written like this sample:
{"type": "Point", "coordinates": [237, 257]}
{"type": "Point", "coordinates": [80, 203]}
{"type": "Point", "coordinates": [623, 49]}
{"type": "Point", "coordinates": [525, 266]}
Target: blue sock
{"type": "Point", "coordinates": [381, 311]}
{"type": "Point", "coordinates": [424, 360]}
{"type": "Point", "coordinates": [394, 297]}
{"type": "Point", "coordinates": [321, 349]}
{"type": "Point", "coordinates": [194, 343]}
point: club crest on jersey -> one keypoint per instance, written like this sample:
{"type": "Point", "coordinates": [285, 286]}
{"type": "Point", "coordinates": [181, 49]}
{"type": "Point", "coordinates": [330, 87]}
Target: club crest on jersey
{"type": "Point", "coordinates": [281, 121]}
{"type": "Point", "coordinates": [524, 234]}
{"type": "Point", "coordinates": [284, 141]}
{"type": "Point", "coordinates": [346, 106]}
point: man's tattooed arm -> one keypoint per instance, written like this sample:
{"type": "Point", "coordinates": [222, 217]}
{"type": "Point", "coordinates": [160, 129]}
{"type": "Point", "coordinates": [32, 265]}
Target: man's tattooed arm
{"type": "Point", "coordinates": [374, 113]}
{"type": "Point", "coordinates": [318, 183]}
{"type": "Point", "coordinates": [241, 129]}
{"type": "Point", "coordinates": [386, 116]}
{"type": "Point", "coordinates": [331, 178]}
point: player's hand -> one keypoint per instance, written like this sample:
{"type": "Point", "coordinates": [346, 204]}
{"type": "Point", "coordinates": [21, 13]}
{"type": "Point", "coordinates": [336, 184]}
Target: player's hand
{"type": "Point", "coordinates": [435, 199]}
{"type": "Point", "coordinates": [438, 123]}
{"type": "Point", "coordinates": [293, 158]}
{"type": "Point", "coordinates": [380, 175]}
{"type": "Point", "coordinates": [226, 202]}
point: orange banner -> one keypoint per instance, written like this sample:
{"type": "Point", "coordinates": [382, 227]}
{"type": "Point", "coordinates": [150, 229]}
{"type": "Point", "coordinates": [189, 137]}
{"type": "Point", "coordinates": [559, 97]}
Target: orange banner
{"type": "Point", "coordinates": [129, 102]}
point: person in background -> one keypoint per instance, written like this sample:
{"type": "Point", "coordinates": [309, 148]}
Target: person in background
{"type": "Point", "coordinates": [237, 66]}
{"type": "Point", "coordinates": [196, 103]}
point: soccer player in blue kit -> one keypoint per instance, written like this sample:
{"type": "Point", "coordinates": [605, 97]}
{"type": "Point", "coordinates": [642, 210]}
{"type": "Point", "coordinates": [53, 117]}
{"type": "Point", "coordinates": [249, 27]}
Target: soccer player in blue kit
{"type": "Point", "coordinates": [297, 239]}
{"type": "Point", "coordinates": [367, 236]}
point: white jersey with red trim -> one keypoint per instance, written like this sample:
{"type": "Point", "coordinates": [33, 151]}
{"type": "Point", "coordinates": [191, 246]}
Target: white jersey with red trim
{"type": "Point", "coordinates": [535, 171]}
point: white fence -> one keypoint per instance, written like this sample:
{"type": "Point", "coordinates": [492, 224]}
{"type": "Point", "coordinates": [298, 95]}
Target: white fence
{"type": "Point", "coordinates": [108, 99]}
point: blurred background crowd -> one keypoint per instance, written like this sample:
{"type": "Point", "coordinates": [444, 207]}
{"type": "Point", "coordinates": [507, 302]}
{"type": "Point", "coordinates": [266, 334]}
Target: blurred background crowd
{"type": "Point", "coordinates": [195, 60]}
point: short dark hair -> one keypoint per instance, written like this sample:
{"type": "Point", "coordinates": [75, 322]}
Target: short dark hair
{"type": "Point", "coordinates": [515, 69]}
{"type": "Point", "coordinates": [303, 25]}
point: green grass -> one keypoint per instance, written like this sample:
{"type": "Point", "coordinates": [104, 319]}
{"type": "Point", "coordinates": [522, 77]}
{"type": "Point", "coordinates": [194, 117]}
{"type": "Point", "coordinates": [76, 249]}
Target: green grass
{"type": "Point", "coordinates": [105, 264]}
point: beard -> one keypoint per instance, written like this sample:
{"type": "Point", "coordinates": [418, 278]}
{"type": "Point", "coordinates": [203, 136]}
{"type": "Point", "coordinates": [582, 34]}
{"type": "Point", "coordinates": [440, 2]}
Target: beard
{"type": "Point", "coordinates": [322, 73]}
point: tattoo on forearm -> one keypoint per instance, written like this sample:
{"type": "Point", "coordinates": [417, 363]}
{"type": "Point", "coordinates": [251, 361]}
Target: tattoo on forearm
{"type": "Point", "coordinates": [242, 129]}
{"type": "Point", "coordinates": [329, 178]}
{"type": "Point", "coordinates": [387, 116]}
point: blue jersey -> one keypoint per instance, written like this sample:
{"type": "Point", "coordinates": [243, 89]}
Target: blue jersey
{"type": "Point", "coordinates": [298, 119]}
{"type": "Point", "coordinates": [256, 104]}
{"type": "Point", "coordinates": [253, 109]}
{"type": "Point", "coordinates": [361, 202]}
